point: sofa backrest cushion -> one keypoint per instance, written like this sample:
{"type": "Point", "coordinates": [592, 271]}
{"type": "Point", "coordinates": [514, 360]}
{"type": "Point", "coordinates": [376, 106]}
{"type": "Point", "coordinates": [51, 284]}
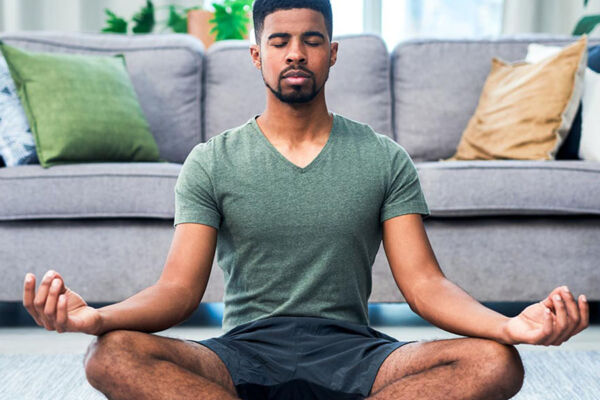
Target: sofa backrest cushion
{"type": "Point", "coordinates": [437, 83]}
{"type": "Point", "coordinates": [358, 86]}
{"type": "Point", "coordinates": [166, 72]}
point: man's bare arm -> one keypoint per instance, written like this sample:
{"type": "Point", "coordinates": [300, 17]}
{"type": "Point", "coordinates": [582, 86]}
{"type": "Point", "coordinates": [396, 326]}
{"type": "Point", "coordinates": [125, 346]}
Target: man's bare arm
{"type": "Point", "coordinates": [427, 290]}
{"type": "Point", "coordinates": [446, 305]}
{"type": "Point", "coordinates": [166, 303]}
{"type": "Point", "coordinates": [179, 290]}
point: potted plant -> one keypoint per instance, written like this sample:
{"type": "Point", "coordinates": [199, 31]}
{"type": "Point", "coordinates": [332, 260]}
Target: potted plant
{"type": "Point", "coordinates": [198, 24]}
{"type": "Point", "coordinates": [230, 20]}
{"type": "Point", "coordinates": [143, 20]}
{"type": "Point", "coordinates": [587, 23]}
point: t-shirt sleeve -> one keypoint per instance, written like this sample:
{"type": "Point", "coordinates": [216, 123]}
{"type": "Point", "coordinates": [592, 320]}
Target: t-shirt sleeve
{"type": "Point", "coordinates": [403, 189]}
{"type": "Point", "coordinates": [195, 199]}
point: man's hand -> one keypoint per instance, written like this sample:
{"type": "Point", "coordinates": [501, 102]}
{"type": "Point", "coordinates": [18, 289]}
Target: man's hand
{"type": "Point", "coordinates": [549, 322]}
{"type": "Point", "coordinates": [57, 307]}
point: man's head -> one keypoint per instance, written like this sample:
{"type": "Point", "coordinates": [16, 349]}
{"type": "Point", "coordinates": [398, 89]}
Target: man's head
{"type": "Point", "coordinates": [293, 37]}
{"type": "Point", "coordinates": [262, 8]}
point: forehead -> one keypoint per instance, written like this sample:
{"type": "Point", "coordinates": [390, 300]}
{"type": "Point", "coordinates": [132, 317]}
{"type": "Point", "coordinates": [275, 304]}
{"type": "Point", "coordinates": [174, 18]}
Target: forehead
{"type": "Point", "coordinates": [294, 21]}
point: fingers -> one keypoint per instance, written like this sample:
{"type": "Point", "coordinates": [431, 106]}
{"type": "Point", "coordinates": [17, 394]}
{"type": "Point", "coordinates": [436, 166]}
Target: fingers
{"type": "Point", "coordinates": [28, 295]}
{"type": "Point", "coordinates": [584, 313]}
{"type": "Point", "coordinates": [562, 326]}
{"type": "Point", "coordinates": [548, 300]}
{"type": "Point", "coordinates": [61, 314]}
{"type": "Point", "coordinates": [51, 301]}
{"type": "Point", "coordinates": [40, 299]}
{"type": "Point", "coordinates": [570, 318]}
{"type": "Point", "coordinates": [573, 313]}
{"type": "Point", "coordinates": [548, 324]}
{"type": "Point", "coordinates": [559, 319]}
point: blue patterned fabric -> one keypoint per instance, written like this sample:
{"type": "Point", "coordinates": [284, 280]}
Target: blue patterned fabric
{"type": "Point", "coordinates": [17, 146]}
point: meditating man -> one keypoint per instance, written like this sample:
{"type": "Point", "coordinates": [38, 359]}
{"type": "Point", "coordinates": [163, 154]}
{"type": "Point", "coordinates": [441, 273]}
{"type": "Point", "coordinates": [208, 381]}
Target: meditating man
{"type": "Point", "coordinates": [300, 199]}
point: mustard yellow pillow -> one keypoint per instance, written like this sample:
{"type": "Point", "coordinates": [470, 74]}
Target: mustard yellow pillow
{"type": "Point", "coordinates": [526, 110]}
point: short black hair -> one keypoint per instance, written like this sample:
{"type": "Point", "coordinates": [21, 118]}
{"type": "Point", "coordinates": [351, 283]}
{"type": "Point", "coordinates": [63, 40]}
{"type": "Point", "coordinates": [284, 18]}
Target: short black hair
{"type": "Point", "coordinates": [262, 8]}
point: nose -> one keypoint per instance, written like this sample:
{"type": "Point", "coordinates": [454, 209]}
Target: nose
{"type": "Point", "coordinates": [296, 53]}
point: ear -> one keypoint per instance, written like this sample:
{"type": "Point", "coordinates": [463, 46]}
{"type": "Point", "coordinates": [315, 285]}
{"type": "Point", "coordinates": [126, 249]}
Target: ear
{"type": "Point", "coordinates": [333, 56]}
{"type": "Point", "coordinates": [255, 54]}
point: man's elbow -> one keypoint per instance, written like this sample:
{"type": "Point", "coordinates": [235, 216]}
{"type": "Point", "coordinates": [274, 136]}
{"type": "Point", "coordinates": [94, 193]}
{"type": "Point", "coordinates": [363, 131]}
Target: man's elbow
{"type": "Point", "coordinates": [421, 290]}
{"type": "Point", "coordinates": [187, 298]}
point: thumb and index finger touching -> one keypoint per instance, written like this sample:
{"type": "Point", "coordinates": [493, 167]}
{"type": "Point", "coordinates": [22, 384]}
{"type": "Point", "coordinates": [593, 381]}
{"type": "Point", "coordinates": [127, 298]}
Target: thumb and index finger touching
{"type": "Point", "coordinates": [42, 305]}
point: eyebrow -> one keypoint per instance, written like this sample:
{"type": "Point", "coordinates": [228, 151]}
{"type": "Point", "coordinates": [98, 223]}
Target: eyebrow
{"type": "Point", "coordinates": [287, 35]}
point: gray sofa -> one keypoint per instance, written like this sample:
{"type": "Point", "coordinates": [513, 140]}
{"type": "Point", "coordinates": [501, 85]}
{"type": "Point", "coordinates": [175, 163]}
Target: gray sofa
{"type": "Point", "coordinates": [503, 230]}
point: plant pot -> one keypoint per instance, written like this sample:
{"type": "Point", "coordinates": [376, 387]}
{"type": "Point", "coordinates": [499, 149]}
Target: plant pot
{"type": "Point", "coordinates": [199, 26]}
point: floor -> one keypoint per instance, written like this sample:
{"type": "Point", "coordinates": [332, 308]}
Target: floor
{"type": "Point", "coordinates": [18, 335]}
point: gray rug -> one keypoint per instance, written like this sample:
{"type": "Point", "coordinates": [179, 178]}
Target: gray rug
{"type": "Point", "coordinates": [549, 375]}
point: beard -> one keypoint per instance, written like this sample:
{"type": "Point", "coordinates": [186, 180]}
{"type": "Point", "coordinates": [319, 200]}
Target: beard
{"type": "Point", "coordinates": [298, 94]}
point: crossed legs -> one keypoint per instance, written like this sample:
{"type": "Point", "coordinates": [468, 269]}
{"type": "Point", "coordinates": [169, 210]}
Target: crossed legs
{"type": "Point", "coordinates": [129, 365]}
{"type": "Point", "coordinates": [462, 368]}
{"type": "Point", "coordinates": [126, 364]}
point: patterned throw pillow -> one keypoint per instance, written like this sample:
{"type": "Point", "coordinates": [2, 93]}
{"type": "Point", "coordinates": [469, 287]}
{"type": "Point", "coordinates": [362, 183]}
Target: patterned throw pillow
{"type": "Point", "coordinates": [17, 146]}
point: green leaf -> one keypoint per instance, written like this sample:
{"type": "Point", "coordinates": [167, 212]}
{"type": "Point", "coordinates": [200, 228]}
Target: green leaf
{"type": "Point", "coordinates": [177, 22]}
{"type": "Point", "coordinates": [144, 19]}
{"type": "Point", "coordinates": [115, 24]}
{"type": "Point", "coordinates": [231, 19]}
{"type": "Point", "coordinates": [586, 24]}
{"type": "Point", "coordinates": [585, 3]}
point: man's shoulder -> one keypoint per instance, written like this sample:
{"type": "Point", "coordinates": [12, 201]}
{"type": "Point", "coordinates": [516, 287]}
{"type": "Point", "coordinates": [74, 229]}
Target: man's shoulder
{"type": "Point", "coordinates": [364, 133]}
{"type": "Point", "coordinates": [234, 136]}
{"type": "Point", "coordinates": [361, 129]}
{"type": "Point", "coordinates": [354, 125]}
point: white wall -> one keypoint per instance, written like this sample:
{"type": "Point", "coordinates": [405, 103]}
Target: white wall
{"type": "Point", "coordinates": [76, 15]}
{"type": "Point", "coordinates": [551, 16]}
{"type": "Point", "coordinates": [520, 16]}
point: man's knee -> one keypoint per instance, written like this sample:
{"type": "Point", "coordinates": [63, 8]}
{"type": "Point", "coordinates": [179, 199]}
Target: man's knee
{"type": "Point", "coordinates": [503, 366]}
{"type": "Point", "coordinates": [102, 353]}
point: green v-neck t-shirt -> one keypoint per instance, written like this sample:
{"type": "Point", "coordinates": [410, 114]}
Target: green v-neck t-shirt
{"type": "Point", "coordinates": [297, 241]}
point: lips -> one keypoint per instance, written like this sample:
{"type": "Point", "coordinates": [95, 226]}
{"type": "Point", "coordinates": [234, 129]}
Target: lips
{"type": "Point", "coordinates": [295, 74]}
{"type": "Point", "coordinates": [296, 80]}
{"type": "Point", "coordinates": [296, 77]}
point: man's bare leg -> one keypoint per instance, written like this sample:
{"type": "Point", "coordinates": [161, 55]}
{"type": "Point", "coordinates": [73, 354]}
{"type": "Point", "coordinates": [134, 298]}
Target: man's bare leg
{"type": "Point", "coordinates": [136, 365]}
{"type": "Point", "coordinates": [462, 368]}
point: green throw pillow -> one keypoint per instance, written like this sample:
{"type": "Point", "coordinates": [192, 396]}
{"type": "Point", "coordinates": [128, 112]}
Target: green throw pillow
{"type": "Point", "coordinates": [81, 108]}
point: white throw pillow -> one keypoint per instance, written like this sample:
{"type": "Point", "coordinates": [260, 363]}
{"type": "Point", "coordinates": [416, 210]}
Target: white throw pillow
{"type": "Point", "coordinates": [589, 146]}
{"type": "Point", "coordinates": [537, 52]}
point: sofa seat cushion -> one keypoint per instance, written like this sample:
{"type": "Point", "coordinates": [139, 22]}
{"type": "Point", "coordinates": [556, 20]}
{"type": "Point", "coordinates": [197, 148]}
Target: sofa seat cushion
{"type": "Point", "coordinates": [510, 187]}
{"type": "Point", "coordinates": [89, 190]}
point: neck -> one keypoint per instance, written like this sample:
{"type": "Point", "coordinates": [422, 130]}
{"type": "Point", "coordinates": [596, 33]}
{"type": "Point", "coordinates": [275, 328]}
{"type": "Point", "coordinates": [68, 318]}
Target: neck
{"type": "Point", "coordinates": [296, 123]}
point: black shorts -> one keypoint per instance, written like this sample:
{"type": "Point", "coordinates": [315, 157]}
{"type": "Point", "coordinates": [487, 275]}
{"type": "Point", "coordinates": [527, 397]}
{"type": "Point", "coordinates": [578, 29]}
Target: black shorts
{"type": "Point", "coordinates": [298, 357]}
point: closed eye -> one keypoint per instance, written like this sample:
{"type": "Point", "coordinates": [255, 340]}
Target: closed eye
{"type": "Point", "coordinates": [308, 43]}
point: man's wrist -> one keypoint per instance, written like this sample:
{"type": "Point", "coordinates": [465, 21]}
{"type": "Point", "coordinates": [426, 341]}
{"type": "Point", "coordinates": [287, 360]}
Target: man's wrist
{"type": "Point", "coordinates": [102, 322]}
{"type": "Point", "coordinates": [503, 335]}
